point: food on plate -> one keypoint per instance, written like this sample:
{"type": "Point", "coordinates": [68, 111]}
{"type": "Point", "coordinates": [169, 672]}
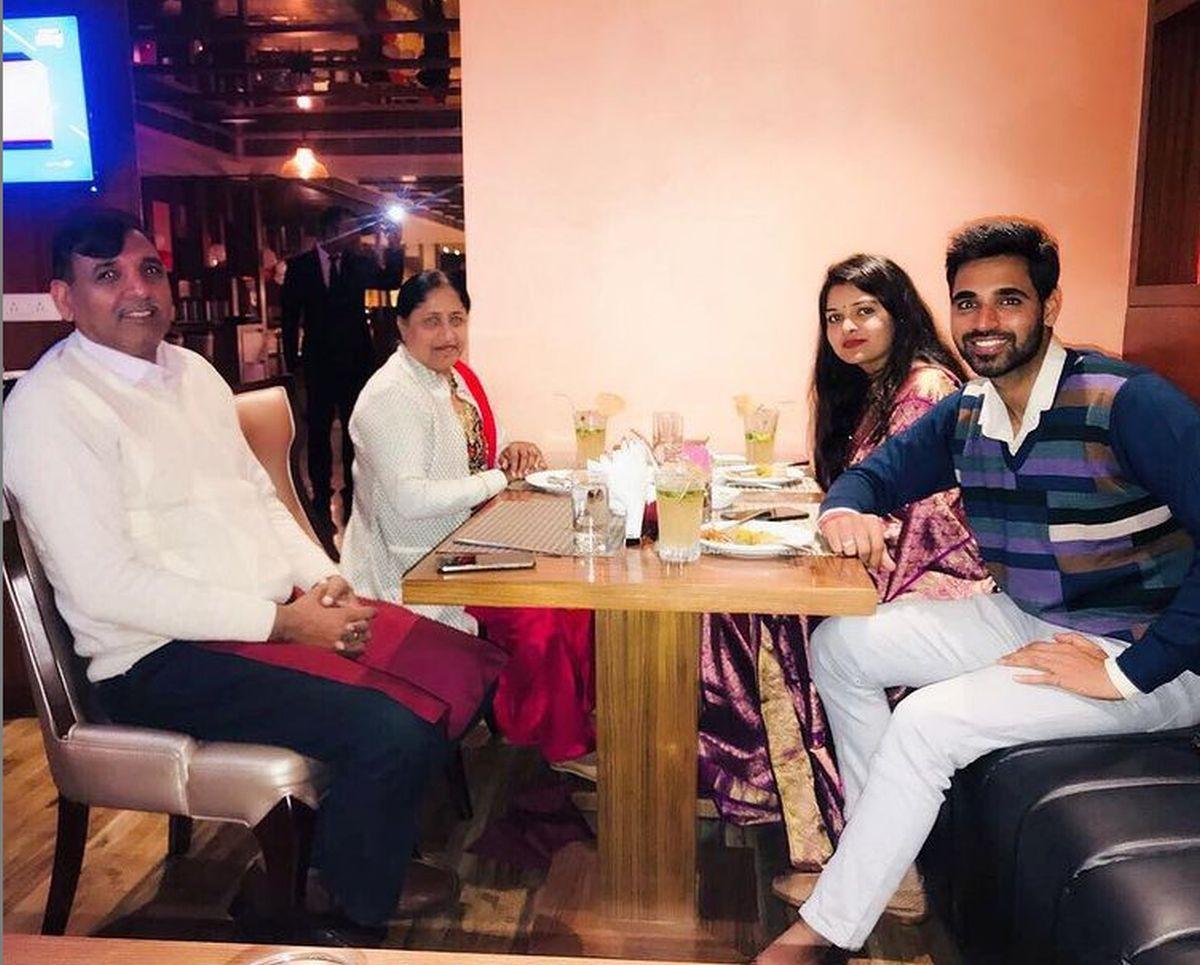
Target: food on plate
{"type": "Point", "coordinates": [738, 536]}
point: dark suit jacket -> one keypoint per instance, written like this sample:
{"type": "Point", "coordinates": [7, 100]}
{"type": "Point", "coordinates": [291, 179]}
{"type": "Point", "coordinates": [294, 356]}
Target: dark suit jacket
{"type": "Point", "coordinates": [337, 340]}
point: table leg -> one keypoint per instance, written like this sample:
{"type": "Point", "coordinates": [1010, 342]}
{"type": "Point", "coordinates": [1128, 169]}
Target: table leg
{"type": "Point", "coordinates": [647, 689]}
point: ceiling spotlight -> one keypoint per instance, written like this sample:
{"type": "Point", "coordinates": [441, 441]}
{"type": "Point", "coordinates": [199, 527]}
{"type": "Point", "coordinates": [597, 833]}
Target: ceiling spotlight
{"type": "Point", "coordinates": [457, 252]}
{"type": "Point", "coordinates": [304, 164]}
{"type": "Point", "coordinates": [304, 102]}
{"type": "Point", "coordinates": [395, 213]}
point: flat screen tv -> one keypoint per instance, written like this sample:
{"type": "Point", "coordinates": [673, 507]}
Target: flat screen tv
{"type": "Point", "coordinates": [46, 137]}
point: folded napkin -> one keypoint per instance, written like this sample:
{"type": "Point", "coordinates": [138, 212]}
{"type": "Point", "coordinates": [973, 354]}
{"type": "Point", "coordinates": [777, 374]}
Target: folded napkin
{"type": "Point", "coordinates": [627, 472]}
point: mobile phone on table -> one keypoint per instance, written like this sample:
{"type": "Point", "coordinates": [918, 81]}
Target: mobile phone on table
{"type": "Point", "coordinates": [476, 562]}
{"type": "Point", "coordinates": [782, 514]}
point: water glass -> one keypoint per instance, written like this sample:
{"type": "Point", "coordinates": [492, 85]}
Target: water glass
{"type": "Point", "coordinates": [590, 514]}
{"type": "Point", "coordinates": [668, 435]}
{"type": "Point", "coordinates": [590, 428]}
{"type": "Point", "coordinates": [679, 491]}
{"type": "Point", "coordinates": [760, 425]}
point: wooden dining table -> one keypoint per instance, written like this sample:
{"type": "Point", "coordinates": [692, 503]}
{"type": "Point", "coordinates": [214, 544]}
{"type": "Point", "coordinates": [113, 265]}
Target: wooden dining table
{"type": "Point", "coordinates": [648, 625]}
{"type": "Point", "coordinates": [80, 950]}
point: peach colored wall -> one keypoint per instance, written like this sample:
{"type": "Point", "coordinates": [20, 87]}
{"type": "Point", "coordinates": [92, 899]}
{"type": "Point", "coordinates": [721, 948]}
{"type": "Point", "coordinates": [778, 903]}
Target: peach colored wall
{"type": "Point", "coordinates": [654, 188]}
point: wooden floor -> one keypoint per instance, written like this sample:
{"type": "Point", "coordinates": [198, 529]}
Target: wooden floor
{"type": "Point", "coordinates": [129, 889]}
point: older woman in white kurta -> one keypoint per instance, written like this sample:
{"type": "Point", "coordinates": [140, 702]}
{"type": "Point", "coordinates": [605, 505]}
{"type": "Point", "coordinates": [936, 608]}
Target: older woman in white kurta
{"type": "Point", "coordinates": [427, 446]}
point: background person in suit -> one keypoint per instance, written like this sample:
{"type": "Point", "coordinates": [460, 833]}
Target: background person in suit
{"type": "Point", "coordinates": [323, 293]}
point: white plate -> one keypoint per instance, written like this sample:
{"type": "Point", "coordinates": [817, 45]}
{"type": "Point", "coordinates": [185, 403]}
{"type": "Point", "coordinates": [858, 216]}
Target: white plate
{"type": "Point", "coordinates": [790, 537]}
{"type": "Point", "coordinates": [557, 481]}
{"type": "Point", "coordinates": [729, 459]}
{"type": "Point", "coordinates": [745, 475]}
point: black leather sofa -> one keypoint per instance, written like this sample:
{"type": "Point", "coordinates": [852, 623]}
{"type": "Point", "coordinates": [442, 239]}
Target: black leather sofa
{"type": "Point", "coordinates": [1081, 852]}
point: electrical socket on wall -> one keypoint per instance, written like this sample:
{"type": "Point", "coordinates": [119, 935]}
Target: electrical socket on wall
{"type": "Point", "coordinates": [30, 308]}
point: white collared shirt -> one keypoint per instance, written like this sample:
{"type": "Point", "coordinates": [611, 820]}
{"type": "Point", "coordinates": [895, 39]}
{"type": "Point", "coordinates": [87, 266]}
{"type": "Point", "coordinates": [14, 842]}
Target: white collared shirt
{"type": "Point", "coordinates": [134, 370]}
{"type": "Point", "coordinates": [152, 517]}
{"type": "Point", "coordinates": [994, 420]}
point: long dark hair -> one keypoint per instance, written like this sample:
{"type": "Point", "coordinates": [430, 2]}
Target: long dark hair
{"type": "Point", "coordinates": [843, 394]}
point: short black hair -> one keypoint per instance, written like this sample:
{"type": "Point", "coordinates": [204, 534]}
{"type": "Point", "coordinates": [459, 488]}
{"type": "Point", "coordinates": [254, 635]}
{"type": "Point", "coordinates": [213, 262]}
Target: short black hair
{"type": "Point", "coordinates": [417, 288]}
{"type": "Point", "coordinates": [331, 219]}
{"type": "Point", "coordinates": [992, 237]}
{"type": "Point", "coordinates": [93, 233]}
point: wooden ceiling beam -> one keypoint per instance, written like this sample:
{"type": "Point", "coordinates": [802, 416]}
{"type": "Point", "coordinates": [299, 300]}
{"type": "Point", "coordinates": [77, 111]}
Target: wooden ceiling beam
{"type": "Point", "coordinates": [231, 28]}
{"type": "Point", "coordinates": [298, 121]}
{"type": "Point", "coordinates": [351, 62]}
{"type": "Point", "coordinates": [368, 144]}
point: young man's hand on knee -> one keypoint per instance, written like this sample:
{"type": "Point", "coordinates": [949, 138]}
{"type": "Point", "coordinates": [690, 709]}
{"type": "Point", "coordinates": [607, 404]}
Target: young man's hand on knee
{"type": "Point", "coordinates": [1070, 662]}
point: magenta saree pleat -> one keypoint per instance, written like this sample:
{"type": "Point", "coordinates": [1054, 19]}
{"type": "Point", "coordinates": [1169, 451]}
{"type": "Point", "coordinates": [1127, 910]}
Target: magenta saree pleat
{"type": "Point", "coordinates": [765, 750]}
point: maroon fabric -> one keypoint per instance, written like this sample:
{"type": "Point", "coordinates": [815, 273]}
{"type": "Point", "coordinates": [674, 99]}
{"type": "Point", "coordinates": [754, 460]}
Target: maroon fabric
{"type": "Point", "coordinates": [539, 822]}
{"type": "Point", "coordinates": [439, 673]}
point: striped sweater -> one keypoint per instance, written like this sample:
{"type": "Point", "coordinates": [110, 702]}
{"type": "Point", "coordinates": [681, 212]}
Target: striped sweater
{"type": "Point", "coordinates": [1092, 524]}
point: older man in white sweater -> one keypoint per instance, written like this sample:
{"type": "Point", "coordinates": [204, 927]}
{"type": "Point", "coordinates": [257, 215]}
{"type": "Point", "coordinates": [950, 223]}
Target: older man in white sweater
{"type": "Point", "coordinates": [158, 528]}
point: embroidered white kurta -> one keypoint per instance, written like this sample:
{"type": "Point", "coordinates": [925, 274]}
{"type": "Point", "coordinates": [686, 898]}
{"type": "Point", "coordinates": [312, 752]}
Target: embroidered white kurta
{"type": "Point", "coordinates": [151, 515]}
{"type": "Point", "coordinates": [412, 483]}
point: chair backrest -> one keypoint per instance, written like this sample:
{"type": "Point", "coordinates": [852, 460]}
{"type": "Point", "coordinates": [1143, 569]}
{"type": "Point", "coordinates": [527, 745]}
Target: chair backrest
{"type": "Point", "coordinates": [266, 419]}
{"type": "Point", "coordinates": [57, 675]}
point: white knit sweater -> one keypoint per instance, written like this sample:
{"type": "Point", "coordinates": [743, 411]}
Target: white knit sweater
{"type": "Point", "coordinates": [412, 485]}
{"type": "Point", "coordinates": [151, 515]}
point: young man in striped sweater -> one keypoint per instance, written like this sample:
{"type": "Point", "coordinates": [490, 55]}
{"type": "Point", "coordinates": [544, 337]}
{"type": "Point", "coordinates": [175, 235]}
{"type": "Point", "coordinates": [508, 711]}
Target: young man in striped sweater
{"type": "Point", "coordinates": [1079, 475]}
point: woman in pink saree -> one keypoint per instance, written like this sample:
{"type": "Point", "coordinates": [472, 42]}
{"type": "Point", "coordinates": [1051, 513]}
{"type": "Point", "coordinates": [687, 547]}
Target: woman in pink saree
{"type": "Point", "coordinates": [765, 751]}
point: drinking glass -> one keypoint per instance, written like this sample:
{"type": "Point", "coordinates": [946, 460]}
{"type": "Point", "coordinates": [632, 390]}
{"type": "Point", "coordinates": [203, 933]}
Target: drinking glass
{"type": "Point", "coordinates": [679, 490]}
{"type": "Point", "coordinates": [591, 516]}
{"type": "Point", "coordinates": [668, 435]}
{"type": "Point", "coordinates": [590, 428]}
{"type": "Point", "coordinates": [760, 424]}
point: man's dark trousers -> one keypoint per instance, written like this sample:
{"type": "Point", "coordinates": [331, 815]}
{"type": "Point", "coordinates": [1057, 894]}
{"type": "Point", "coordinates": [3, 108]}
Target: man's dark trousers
{"type": "Point", "coordinates": [330, 395]}
{"type": "Point", "coordinates": [381, 753]}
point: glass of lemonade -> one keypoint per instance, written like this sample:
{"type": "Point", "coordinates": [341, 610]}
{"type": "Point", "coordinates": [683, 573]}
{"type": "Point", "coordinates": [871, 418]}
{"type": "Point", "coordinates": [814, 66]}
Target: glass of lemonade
{"type": "Point", "coordinates": [679, 491]}
{"type": "Point", "coordinates": [760, 426]}
{"type": "Point", "coordinates": [590, 428]}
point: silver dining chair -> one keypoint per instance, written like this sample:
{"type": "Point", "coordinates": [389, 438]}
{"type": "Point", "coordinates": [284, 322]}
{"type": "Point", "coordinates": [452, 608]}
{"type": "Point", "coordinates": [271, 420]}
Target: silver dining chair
{"type": "Point", "coordinates": [96, 763]}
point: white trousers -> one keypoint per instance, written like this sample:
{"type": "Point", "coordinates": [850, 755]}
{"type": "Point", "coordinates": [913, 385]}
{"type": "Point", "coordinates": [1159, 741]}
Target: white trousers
{"type": "Point", "coordinates": [897, 766]}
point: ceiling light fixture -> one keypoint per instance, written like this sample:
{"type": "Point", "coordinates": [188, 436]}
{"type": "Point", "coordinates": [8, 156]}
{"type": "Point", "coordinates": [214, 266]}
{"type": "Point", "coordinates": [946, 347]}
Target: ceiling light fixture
{"type": "Point", "coordinates": [304, 164]}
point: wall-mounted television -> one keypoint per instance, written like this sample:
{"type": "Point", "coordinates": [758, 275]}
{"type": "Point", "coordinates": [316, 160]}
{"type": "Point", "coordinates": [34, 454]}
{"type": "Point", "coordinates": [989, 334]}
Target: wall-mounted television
{"type": "Point", "coordinates": [45, 120]}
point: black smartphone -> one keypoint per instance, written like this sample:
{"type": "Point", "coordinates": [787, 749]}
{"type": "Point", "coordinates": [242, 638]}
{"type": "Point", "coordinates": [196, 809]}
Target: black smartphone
{"type": "Point", "coordinates": [475, 562]}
